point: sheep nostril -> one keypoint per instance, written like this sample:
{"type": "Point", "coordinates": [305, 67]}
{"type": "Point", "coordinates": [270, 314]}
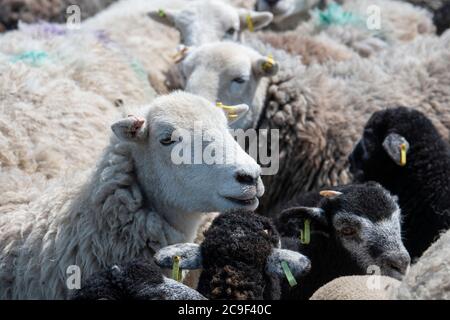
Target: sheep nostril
{"type": "Point", "coordinates": [245, 178]}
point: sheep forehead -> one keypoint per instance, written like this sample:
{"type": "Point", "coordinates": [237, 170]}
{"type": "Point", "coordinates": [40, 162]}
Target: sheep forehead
{"type": "Point", "coordinates": [387, 229]}
{"type": "Point", "coordinates": [183, 111]}
{"type": "Point", "coordinates": [226, 55]}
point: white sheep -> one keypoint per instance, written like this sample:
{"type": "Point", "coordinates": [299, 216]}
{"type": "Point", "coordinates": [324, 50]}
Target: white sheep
{"type": "Point", "coordinates": [136, 201]}
{"type": "Point", "coordinates": [53, 76]}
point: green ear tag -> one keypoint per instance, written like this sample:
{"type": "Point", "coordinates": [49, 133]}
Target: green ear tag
{"type": "Point", "coordinates": [161, 13]}
{"type": "Point", "coordinates": [176, 271]}
{"type": "Point", "coordinates": [305, 234]}
{"type": "Point", "coordinates": [290, 278]}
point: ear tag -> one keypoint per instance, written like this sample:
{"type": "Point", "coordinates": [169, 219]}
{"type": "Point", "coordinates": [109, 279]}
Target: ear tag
{"type": "Point", "coordinates": [269, 63]}
{"type": "Point", "coordinates": [250, 25]}
{"type": "Point", "coordinates": [161, 13]}
{"type": "Point", "coordinates": [181, 53]}
{"type": "Point", "coordinates": [176, 271]}
{"type": "Point", "coordinates": [403, 154]}
{"type": "Point", "coordinates": [305, 234]}
{"type": "Point", "coordinates": [289, 276]}
{"type": "Point", "coordinates": [229, 110]}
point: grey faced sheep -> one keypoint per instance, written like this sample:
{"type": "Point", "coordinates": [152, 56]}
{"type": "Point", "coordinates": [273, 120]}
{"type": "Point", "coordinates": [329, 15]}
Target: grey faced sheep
{"type": "Point", "coordinates": [402, 150]}
{"type": "Point", "coordinates": [427, 279]}
{"type": "Point", "coordinates": [135, 280]}
{"type": "Point", "coordinates": [240, 258]}
{"type": "Point", "coordinates": [130, 206]}
{"type": "Point", "coordinates": [354, 230]}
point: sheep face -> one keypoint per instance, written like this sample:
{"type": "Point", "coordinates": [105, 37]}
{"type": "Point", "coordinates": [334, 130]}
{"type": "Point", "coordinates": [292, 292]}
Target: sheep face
{"type": "Point", "coordinates": [182, 145]}
{"type": "Point", "coordinates": [283, 9]}
{"type": "Point", "coordinates": [378, 155]}
{"type": "Point", "coordinates": [206, 21]}
{"type": "Point", "coordinates": [364, 222]}
{"type": "Point", "coordinates": [229, 73]}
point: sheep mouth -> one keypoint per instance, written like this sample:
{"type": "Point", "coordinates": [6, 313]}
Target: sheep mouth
{"type": "Point", "coordinates": [243, 202]}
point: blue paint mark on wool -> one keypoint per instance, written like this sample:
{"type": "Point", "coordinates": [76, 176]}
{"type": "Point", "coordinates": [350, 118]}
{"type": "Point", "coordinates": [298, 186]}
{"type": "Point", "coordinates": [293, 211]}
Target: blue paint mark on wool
{"type": "Point", "coordinates": [32, 57]}
{"type": "Point", "coordinates": [335, 15]}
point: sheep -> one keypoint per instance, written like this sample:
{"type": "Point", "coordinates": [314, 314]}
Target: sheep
{"type": "Point", "coordinates": [27, 11]}
{"type": "Point", "coordinates": [419, 175]}
{"type": "Point", "coordinates": [141, 197]}
{"type": "Point", "coordinates": [287, 13]}
{"type": "Point", "coordinates": [240, 258]}
{"type": "Point", "coordinates": [354, 230]}
{"type": "Point", "coordinates": [59, 91]}
{"type": "Point", "coordinates": [319, 110]}
{"type": "Point", "coordinates": [440, 10]}
{"type": "Point", "coordinates": [105, 71]}
{"type": "Point", "coordinates": [372, 287]}
{"type": "Point", "coordinates": [349, 24]}
{"type": "Point", "coordinates": [136, 280]}
{"type": "Point", "coordinates": [427, 279]}
{"type": "Point", "coordinates": [154, 40]}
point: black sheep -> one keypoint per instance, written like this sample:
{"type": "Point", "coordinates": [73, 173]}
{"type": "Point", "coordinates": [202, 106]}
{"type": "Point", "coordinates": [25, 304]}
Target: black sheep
{"type": "Point", "coordinates": [136, 280]}
{"type": "Point", "coordinates": [240, 258]}
{"type": "Point", "coordinates": [422, 183]}
{"type": "Point", "coordinates": [354, 230]}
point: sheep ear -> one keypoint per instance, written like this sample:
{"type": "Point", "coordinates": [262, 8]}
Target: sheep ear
{"type": "Point", "coordinates": [189, 253]}
{"type": "Point", "coordinates": [131, 128]}
{"type": "Point", "coordinates": [330, 194]}
{"type": "Point", "coordinates": [233, 113]}
{"type": "Point", "coordinates": [298, 264]}
{"type": "Point", "coordinates": [167, 17]}
{"type": "Point", "coordinates": [396, 147]}
{"type": "Point", "coordinates": [174, 290]}
{"type": "Point", "coordinates": [254, 20]}
{"type": "Point", "coordinates": [266, 67]}
{"type": "Point", "coordinates": [315, 214]}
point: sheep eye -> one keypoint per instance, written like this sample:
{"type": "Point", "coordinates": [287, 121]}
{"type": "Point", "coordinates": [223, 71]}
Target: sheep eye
{"type": "Point", "coordinates": [231, 31]}
{"type": "Point", "coordinates": [347, 231]}
{"type": "Point", "coordinates": [167, 141]}
{"type": "Point", "coordinates": [239, 80]}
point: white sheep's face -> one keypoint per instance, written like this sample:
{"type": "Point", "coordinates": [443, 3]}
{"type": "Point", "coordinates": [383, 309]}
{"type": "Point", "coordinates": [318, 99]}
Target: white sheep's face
{"type": "Point", "coordinates": [204, 21]}
{"type": "Point", "coordinates": [186, 158]}
{"type": "Point", "coordinates": [229, 73]}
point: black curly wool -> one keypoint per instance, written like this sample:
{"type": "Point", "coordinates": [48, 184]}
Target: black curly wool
{"type": "Point", "coordinates": [123, 283]}
{"type": "Point", "coordinates": [423, 185]}
{"type": "Point", "coordinates": [329, 259]}
{"type": "Point", "coordinates": [234, 252]}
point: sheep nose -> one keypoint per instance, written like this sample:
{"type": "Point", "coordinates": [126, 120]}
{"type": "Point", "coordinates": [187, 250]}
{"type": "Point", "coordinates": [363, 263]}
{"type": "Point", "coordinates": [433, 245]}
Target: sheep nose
{"type": "Point", "coordinates": [398, 263]}
{"type": "Point", "coordinates": [246, 178]}
{"type": "Point", "coordinates": [272, 2]}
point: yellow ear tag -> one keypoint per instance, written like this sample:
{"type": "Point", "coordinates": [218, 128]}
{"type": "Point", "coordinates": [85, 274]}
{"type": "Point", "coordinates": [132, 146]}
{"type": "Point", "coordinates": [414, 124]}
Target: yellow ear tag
{"type": "Point", "coordinates": [250, 25]}
{"type": "Point", "coordinates": [305, 234]}
{"type": "Point", "coordinates": [403, 154]}
{"type": "Point", "coordinates": [269, 63]}
{"type": "Point", "coordinates": [228, 109]}
{"type": "Point", "coordinates": [176, 270]}
{"type": "Point", "coordinates": [161, 13]}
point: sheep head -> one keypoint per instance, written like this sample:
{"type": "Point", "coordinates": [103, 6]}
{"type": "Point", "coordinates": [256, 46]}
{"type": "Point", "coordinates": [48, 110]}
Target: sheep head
{"type": "Point", "coordinates": [362, 220]}
{"type": "Point", "coordinates": [204, 21]}
{"type": "Point", "coordinates": [186, 159]}
{"type": "Point", "coordinates": [230, 73]}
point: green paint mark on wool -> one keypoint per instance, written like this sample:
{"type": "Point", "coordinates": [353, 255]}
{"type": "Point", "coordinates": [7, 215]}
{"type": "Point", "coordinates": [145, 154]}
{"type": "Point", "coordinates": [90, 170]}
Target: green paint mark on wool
{"type": "Point", "coordinates": [334, 14]}
{"type": "Point", "coordinates": [32, 57]}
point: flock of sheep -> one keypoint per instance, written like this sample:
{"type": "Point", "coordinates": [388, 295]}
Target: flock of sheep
{"type": "Point", "coordinates": [88, 114]}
